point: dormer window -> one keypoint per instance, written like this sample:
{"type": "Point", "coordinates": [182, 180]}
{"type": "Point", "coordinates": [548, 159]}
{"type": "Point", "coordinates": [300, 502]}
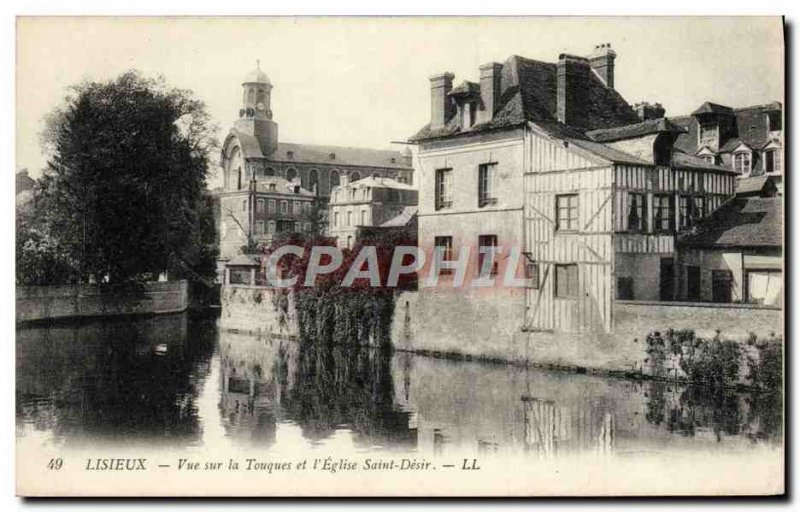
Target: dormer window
{"type": "Point", "coordinates": [707, 134]}
{"type": "Point", "coordinates": [290, 155]}
{"type": "Point", "coordinates": [710, 159]}
{"type": "Point", "coordinates": [272, 186]}
{"type": "Point", "coordinates": [741, 162]}
{"type": "Point", "coordinates": [469, 111]}
{"type": "Point", "coordinates": [332, 156]}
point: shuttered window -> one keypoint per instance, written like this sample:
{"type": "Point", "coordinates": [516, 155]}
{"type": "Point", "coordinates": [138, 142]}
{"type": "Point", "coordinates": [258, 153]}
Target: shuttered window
{"type": "Point", "coordinates": [444, 188]}
{"type": "Point", "coordinates": [567, 281]}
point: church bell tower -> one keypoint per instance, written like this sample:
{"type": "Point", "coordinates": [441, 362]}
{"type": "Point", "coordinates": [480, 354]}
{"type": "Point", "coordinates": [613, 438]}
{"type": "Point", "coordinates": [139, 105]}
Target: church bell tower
{"type": "Point", "coordinates": [255, 116]}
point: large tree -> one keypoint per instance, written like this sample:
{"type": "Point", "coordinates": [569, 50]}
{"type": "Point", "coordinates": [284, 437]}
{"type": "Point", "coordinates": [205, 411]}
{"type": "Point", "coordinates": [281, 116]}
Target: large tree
{"type": "Point", "coordinates": [124, 191]}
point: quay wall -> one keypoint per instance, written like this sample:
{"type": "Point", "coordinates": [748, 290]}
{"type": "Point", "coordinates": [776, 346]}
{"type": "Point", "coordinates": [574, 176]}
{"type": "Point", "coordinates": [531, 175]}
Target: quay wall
{"type": "Point", "coordinates": [38, 303]}
{"type": "Point", "coordinates": [258, 309]}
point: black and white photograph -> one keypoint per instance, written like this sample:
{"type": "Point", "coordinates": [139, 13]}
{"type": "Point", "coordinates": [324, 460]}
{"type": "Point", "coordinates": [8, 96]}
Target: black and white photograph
{"type": "Point", "coordinates": [399, 256]}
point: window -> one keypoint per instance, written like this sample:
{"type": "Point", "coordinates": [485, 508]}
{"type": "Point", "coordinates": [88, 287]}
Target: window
{"type": "Point", "coordinates": [741, 162]}
{"type": "Point", "coordinates": [365, 193]}
{"type": "Point", "coordinates": [363, 217]}
{"type": "Point", "coordinates": [284, 206]}
{"type": "Point", "coordinates": [637, 212]}
{"type": "Point", "coordinates": [468, 113]}
{"type": "Point", "coordinates": [625, 288]}
{"type": "Point", "coordinates": [244, 205]}
{"type": "Point", "coordinates": [269, 172]}
{"type": "Point", "coordinates": [271, 206]}
{"type": "Point", "coordinates": [349, 218]}
{"type": "Point", "coordinates": [349, 241]}
{"type": "Point", "coordinates": [532, 274]}
{"type": "Point", "coordinates": [567, 281]}
{"type": "Point", "coordinates": [710, 159]}
{"type": "Point", "coordinates": [486, 192]}
{"type": "Point", "coordinates": [772, 161]}
{"type": "Point", "coordinates": [306, 207]}
{"type": "Point", "coordinates": [764, 287]}
{"type": "Point", "coordinates": [707, 134]}
{"type": "Point", "coordinates": [567, 212]}
{"type": "Point", "coordinates": [663, 212]}
{"type": "Point", "coordinates": [444, 188]}
{"type": "Point", "coordinates": [355, 176]}
{"type": "Point", "coordinates": [272, 186]}
{"type": "Point", "coordinates": [445, 245]}
{"type": "Point", "coordinates": [487, 248]}
{"type": "Point", "coordinates": [693, 283]}
{"type": "Point", "coordinates": [271, 227]}
{"type": "Point", "coordinates": [296, 208]}
{"type": "Point", "coordinates": [260, 206]}
{"type": "Point", "coordinates": [685, 212]}
{"type": "Point", "coordinates": [296, 227]}
{"type": "Point", "coordinates": [260, 227]}
{"type": "Point", "coordinates": [336, 219]}
{"type": "Point", "coordinates": [291, 174]}
{"type": "Point", "coordinates": [699, 207]}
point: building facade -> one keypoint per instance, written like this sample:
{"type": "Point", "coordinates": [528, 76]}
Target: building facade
{"type": "Point", "coordinates": [367, 202]}
{"type": "Point", "coordinates": [281, 171]}
{"type": "Point", "coordinates": [550, 158]}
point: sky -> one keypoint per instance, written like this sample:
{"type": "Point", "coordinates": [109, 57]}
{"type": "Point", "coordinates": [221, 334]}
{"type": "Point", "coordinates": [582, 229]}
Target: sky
{"type": "Point", "coordinates": [364, 81]}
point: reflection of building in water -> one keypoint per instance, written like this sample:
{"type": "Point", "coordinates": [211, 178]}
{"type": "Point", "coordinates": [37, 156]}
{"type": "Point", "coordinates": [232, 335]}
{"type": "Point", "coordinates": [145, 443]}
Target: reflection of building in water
{"type": "Point", "coordinates": [550, 428]}
{"type": "Point", "coordinates": [255, 376]}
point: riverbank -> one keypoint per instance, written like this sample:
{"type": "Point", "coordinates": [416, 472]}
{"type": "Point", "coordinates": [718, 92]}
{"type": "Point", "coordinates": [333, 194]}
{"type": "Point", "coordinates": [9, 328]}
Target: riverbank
{"type": "Point", "coordinates": [47, 303]}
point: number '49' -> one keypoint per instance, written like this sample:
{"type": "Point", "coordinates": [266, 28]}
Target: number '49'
{"type": "Point", "coordinates": [55, 464]}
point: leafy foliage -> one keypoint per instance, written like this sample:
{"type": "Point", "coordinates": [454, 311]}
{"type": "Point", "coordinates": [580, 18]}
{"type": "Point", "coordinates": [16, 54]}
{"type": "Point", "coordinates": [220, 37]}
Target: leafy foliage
{"type": "Point", "coordinates": [123, 193]}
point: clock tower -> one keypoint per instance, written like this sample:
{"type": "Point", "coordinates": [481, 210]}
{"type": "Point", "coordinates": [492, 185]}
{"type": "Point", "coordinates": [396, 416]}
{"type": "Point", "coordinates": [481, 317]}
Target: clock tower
{"type": "Point", "coordinates": [255, 116]}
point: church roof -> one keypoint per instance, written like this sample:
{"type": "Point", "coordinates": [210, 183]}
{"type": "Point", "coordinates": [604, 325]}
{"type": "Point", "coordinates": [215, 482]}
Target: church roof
{"type": "Point", "coordinates": [257, 76]}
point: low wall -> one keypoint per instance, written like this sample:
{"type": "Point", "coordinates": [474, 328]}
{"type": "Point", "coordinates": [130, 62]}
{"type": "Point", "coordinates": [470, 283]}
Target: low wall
{"type": "Point", "coordinates": [420, 326]}
{"type": "Point", "coordinates": [36, 303]}
{"type": "Point", "coordinates": [258, 309]}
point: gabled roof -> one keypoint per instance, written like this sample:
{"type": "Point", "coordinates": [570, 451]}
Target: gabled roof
{"type": "Point", "coordinates": [243, 260]}
{"type": "Point", "coordinates": [713, 108]}
{"type": "Point", "coordinates": [321, 154]}
{"type": "Point", "coordinates": [528, 92]}
{"type": "Point", "coordinates": [628, 131]}
{"type": "Point", "coordinates": [282, 186]}
{"type": "Point", "coordinates": [681, 159]}
{"type": "Point", "coordinates": [740, 222]}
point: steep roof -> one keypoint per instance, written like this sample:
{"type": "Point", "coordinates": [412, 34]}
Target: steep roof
{"type": "Point", "coordinates": [740, 222]}
{"type": "Point", "coordinates": [763, 185]}
{"type": "Point", "coordinates": [282, 186]}
{"type": "Point", "coordinates": [681, 159]}
{"type": "Point", "coordinates": [750, 127]}
{"type": "Point", "coordinates": [528, 91]}
{"type": "Point", "coordinates": [380, 183]}
{"type": "Point", "coordinates": [322, 154]}
{"type": "Point", "coordinates": [713, 108]}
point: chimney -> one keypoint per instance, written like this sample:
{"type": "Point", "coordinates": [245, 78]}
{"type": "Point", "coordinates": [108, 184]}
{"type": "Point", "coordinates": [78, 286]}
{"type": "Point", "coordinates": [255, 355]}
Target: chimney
{"type": "Point", "coordinates": [442, 106]}
{"type": "Point", "coordinates": [646, 111]}
{"type": "Point", "coordinates": [490, 91]}
{"type": "Point", "coordinates": [602, 61]}
{"type": "Point", "coordinates": [571, 77]}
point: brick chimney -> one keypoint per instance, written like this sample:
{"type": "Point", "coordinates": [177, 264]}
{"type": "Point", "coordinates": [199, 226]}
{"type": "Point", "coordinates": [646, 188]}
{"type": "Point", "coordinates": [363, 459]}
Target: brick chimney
{"type": "Point", "coordinates": [646, 111]}
{"type": "Point", "coordinates": [490, 91]}
{"type": "Point", "coordinates": [602, 61]}
{"type": "Point", "coordinates": [442, 106]}
{"type": "Point", "coordinates": [571, 77]}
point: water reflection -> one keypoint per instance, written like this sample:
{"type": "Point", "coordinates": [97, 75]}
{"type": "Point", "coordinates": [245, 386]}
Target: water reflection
{"type": "Point", "coordinates": [178, 381]}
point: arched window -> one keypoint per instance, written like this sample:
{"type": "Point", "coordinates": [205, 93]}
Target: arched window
{"type": "Point", "coordinates": [261, 97]}
{"type": "Point", "coordinates": [355, 176]}
{"type": "Point", "coordinates": [269, 172]}
{"type": "Point", "coordinates": [313, 181]}
{"type": "Point", "coordinates": [334, 179]}
{"type": "Point", "coordinates": [291, 174]}
{"type": "Point", "coordinates": [251, 95]}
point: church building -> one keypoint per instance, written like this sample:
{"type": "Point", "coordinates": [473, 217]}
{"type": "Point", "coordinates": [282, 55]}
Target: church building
{"type": "Point", "coordinates": [268, 184]}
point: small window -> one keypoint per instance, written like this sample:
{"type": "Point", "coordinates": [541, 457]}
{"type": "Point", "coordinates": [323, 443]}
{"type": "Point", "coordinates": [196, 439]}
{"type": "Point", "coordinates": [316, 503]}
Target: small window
{"type": "Point", "coordinates": [271, 227]}
{"type": "Point", "coordinates": [260, 206]}
{"type": "Point", "coordinates": [721, 286]}
{"type": "Point", "coordinates": [444, 188]}
{"type": "Point", "coordinates": [349, 218]}
{"type": "Point", "coordinates": [284, 206]}
{"type": "Point", "coordinates": [271, 206]}
{"type": "Point", "coordinates": [335, 219]}
{"type": "Point", "coordinates": [708, 134]}
{"type": "Point", "coordinates": [260, 227]}
{"type": "Point", "coordinates": [567, 212]}
{"type": "Point", "coordinates": [710, 159]}
{"type": "Point", "coordinates": [306, 207]}
{"type": "Point", "coordinates": [741, 162]}
{"type": "Point", "coordinates": [244, 205]}
{"type": "Point", "coordinates": [625, 288]}
{"type": "Point", "coordinates": [486, 185]}
{"type": "Point", "coordinates": [487, 248]}
{"type": "Point", "coordinates": [445, 245]}
{"type": "Point", "coordinates": [332, 156]}
{"type": "Point", "coordinates": [685, 212]}
{"type": "Point", "coordinates": [272, 187]}
{"type": "Point", "coordinates": [637, 212]}
{"type": "Point", "coordinates": [567, 281]}
{"type": "Point", "coordinates": [772, 161]}
{"type": "Point", "coordinates": [296, 208]}
{"type": "Point", "coordinates": [699, 207]}
{"type": "Point", "coordinates": [290, 155]}
{"type": "Point", "coordinates": [532, 274]}
{"type": "Point", "coordinates": [363, 217]}
{"type": "Point", "coordinates": [663, 212]}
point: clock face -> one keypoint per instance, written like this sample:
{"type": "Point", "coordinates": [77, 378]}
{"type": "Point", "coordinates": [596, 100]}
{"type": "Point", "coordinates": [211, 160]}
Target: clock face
{"type": "Point", "coordinates": [260, 107]}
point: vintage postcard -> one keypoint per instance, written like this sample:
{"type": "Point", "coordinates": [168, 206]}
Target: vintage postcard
{"type": "Point", "coordinates": [400, 256]}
